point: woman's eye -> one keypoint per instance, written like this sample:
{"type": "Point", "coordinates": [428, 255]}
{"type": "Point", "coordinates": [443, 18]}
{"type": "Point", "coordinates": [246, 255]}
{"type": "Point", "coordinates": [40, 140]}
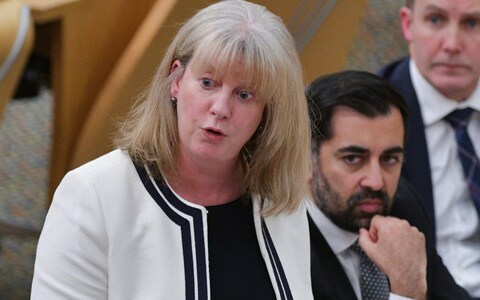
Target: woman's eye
{"type": "Point", "coordinates": [207, 82]}
{"type": "Point", "coordinates": [245, 95]}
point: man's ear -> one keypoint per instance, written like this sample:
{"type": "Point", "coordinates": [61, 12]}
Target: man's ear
{"type": "Point", "coordinates": [310, 175]}
{"type": "Point", "coordinates": [406, 16]}
{"type": "Point", "coordinates": [175, 86]}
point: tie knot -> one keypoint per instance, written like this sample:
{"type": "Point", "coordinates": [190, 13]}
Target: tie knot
{"type": "Point", "coordinates": [459, 118]}
{"type": "Point", "coordinates": [357, 249]}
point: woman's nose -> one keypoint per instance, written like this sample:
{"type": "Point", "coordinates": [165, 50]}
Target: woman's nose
{"type": "Point", "coordinates": [220, 106]}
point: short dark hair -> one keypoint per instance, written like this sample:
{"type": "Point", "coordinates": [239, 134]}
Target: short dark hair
{"type": "Point", "coordinates": [409, 3]}
{"type": "Point", "coordinates": [365, 93]}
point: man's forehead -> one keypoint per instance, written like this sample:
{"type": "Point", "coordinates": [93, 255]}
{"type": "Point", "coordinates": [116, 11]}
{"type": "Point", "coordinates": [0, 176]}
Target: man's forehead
{"type": "Point", "coordinates": [361, 150]}
{"type": "Point", "coordinates": [461, 7]}
{"type": "Point", "coordinates": [354, 131]}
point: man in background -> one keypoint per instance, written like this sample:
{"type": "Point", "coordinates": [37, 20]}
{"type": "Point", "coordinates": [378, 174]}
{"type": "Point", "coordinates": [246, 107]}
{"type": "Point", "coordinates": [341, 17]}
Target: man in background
{"type": "Point", "coordinates": [440, 83]}
{"type": "Point", "coordinates": [370, 235]}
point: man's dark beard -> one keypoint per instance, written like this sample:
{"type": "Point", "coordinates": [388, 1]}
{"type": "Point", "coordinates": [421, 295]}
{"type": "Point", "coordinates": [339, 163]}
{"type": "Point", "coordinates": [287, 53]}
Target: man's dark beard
{"type": "Point", "coordinates": [330, 203]}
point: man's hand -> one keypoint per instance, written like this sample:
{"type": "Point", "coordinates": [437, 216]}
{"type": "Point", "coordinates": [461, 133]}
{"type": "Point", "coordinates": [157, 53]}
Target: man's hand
{"type": "Point", "coordinates": [397, 249]}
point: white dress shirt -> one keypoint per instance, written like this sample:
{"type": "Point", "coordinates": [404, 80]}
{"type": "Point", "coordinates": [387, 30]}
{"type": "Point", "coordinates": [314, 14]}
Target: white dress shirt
{"type": "Point", "coordinates": [457, 221]}
{"type": "Point", "coordinates": [340, 241]}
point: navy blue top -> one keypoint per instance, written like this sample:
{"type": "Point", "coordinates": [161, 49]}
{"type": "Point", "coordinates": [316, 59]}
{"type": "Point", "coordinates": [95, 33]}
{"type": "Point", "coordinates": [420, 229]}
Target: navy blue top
{"type": "Point", "coordinates": [237, 269]}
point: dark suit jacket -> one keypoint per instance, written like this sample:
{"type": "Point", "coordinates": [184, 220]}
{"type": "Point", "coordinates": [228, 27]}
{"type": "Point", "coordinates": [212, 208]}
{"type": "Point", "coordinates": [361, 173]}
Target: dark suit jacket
{"type": "Point", "coordinates": [417, 164]}
{"type": "Point", "coordinates": [329, 280]}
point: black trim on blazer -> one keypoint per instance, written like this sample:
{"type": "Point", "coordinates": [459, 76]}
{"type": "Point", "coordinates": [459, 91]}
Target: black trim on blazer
{"type": "Point", "coordinates": [168, 196]}
{"type": "Point", "coordinates": [280, 277]}
{"type": "Point", "coordinates": [199, 236]}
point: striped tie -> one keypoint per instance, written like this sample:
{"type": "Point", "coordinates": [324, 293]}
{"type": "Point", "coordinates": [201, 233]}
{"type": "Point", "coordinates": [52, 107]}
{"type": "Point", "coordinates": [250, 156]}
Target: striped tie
{"type": "Point", "coordinates": [470, 163]}
{"type": "Point", "coordinates": [373, 282]}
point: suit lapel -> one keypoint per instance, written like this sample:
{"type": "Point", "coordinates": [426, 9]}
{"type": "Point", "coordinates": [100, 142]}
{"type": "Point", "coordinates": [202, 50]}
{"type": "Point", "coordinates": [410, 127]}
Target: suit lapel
{"type": "Point", "coordinates": [329, 280]}
{"type": "Point", "coordinates": [417, 166]}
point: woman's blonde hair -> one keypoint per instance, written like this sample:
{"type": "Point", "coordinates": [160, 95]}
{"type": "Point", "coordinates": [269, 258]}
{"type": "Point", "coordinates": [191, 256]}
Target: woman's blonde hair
{"type": "Point", "coordinates": [277, 157]}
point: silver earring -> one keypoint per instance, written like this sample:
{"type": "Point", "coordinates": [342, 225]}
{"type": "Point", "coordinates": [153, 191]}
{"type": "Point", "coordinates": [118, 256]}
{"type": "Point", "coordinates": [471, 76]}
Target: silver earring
{"type": "Point", "coordinates": [174, 100]}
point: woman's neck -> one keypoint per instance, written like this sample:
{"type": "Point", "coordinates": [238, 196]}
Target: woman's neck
{"type": "Point", "coordinates": [208, 184]}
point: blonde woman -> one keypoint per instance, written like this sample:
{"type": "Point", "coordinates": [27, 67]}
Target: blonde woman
{"type": "Point", "coordinates": [203, 198]}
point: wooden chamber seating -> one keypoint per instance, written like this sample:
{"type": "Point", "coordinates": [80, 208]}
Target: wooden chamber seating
{"type": "Point", "coordinates": [16, 42]}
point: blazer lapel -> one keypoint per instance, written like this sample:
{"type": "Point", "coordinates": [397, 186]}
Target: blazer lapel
{"type": "Point", "coordinates": [417, 165]}
{"type": "Point", "coordinates": [329, 280]}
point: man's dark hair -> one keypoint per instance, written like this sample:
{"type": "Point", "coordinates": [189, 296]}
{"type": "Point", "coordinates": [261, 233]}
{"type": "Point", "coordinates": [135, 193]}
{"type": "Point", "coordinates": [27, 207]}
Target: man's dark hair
{"type": "Point", "coordinates": [365, 93]}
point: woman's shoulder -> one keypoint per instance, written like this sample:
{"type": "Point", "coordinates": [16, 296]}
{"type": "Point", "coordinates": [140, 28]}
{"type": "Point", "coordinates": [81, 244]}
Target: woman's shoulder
{"type": "Point", "coordinates": [113, 161]}
{"type": "Point", "coordinates": [112, 168]}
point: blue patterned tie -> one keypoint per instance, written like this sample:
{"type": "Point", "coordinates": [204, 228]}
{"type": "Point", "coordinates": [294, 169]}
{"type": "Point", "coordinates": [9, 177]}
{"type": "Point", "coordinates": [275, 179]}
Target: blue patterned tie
{"type": "Point", "coordinates": [373, 282]}
{"type": "Point", "coordinates": [470, 163]}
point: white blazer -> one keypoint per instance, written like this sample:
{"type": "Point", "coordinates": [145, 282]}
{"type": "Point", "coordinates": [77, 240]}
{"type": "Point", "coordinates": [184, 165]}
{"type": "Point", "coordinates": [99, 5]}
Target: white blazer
{"type": "Point", "coordinates": [112, 232]}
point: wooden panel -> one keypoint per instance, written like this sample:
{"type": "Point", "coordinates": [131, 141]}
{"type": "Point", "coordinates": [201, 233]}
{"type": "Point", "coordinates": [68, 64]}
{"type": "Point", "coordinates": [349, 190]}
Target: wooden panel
{"type": "Point", "coordinates": [85, 38]}
{"type": "Point", "coordinates": [132, 73]}
{"type": "Point", "coordinates": [328, 50]}
{"type": "Point", "coordinates": [10, 20]}
{"type": "Point", "coordinates": [50, 10]}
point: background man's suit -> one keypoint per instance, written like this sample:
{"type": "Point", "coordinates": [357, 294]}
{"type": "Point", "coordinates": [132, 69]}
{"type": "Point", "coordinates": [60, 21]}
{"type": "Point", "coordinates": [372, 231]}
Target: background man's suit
{"type": "Point", "coordinates": [330, 281]}
{"type": "Point", "coordinates": [417, 170]}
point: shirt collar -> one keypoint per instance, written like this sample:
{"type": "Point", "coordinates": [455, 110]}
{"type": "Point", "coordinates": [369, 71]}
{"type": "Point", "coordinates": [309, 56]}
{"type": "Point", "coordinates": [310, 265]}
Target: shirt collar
{"type": "Point", "coordinates": [338, 239]}
{"type": "Point", "coordinates": [434, 105]}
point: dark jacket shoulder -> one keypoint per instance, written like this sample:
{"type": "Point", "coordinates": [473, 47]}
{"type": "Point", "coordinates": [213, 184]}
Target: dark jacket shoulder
{"type": "Point", "coordinates": [408, 206]}
{"type": "Point", "coordinates": [330, 281]}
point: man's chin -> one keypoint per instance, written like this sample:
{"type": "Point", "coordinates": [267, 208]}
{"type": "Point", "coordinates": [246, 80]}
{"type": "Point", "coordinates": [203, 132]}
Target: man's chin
{"type": "Point", "coordinates": [453, 85]}
{"type": "Point", "coordinates": [363, 219]}
{"type": "Point", "coordinates": [364, 223]}
{"type": "Point", "coordinates": [355, 224]}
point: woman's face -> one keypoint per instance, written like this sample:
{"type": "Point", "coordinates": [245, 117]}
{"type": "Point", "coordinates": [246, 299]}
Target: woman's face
{"type": "Point", "coordinates": [215, 117]}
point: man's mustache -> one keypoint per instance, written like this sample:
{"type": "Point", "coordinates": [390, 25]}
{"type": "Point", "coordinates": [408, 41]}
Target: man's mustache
{"type": "Point", "coordinates": [381, 195]}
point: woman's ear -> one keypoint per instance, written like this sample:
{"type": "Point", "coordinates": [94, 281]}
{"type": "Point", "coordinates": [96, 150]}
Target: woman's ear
{"type": "Point", "coordinates": [175, 86]}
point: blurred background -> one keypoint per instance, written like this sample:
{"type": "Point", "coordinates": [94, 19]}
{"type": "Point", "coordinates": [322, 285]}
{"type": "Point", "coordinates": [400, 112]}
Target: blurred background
{"type": "Point", "coordinates": [69, 69]}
